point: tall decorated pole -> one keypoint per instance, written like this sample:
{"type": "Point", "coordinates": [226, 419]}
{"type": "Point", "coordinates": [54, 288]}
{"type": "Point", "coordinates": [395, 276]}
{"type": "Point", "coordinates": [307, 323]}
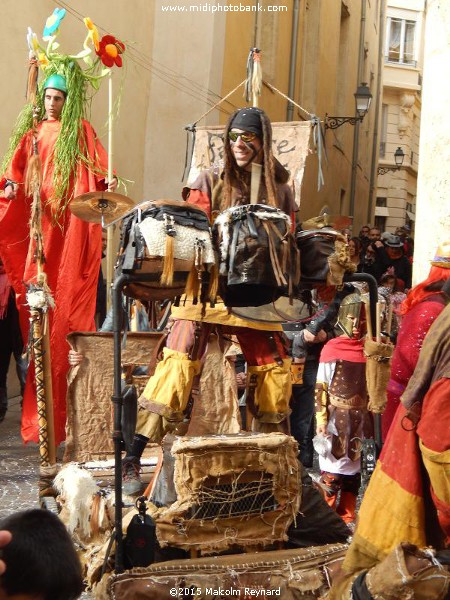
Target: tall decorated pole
{"type": "Point", "coordinates": [40, 299]}
{"type": "Point", "coordinates": [110, 239]}
{"type": "Point", "coordinates": [110, 50]}
{"type": "Point", "coordinates": [54, 155]}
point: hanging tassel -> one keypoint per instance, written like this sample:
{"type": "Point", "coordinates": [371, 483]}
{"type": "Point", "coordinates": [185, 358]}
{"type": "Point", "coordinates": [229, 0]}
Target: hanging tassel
{"type": "Point", "coordinates": [33, 176]}
{"type": "Point", "coordinates": [213, 284]}
{"type": "Point", "coordinates": [253, 82]}
{"type": "Point", "coordinates": [193, 283]}
{"type": "Point", "coordinates": [167, 273]}
{"type": "Point", "coordinates": [248, 80]}
{"type": "Point", "coordinates": [33, 71]}
{"type": "Point", "coordinates": [257, 73]}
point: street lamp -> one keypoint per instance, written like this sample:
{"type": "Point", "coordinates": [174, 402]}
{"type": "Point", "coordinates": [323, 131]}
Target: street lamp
{"type": "Point", "coordinates": [399, 157]}
{"type": "Point", "coordinates": [363, 98]}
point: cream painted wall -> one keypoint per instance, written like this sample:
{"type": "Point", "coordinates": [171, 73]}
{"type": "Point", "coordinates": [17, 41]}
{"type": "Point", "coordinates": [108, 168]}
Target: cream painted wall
{"type": "Point", "coordinates": [110, 17]}
{"type": "Point", "coordinates": [433, 188]}
{"type": "Point", "coordinates": [273, 34]}
{"type": "Point", "coordinates": [330, 87]}
{"type": "Point", "coordinates": [188, 51]}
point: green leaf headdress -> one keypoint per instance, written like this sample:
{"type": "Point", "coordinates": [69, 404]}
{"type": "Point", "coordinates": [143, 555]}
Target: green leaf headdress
{"type": "Point", "coordinates": [70, 150]}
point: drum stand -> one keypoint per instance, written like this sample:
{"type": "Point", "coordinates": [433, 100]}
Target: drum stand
{"type": "Point", "coordinates": [117, 399]}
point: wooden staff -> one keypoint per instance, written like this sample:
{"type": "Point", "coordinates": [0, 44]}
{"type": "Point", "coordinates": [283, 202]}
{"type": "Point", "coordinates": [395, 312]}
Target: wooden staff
{"type": "Point", "coordinates": [369, 320]}
{"type": "Point", "coordinates": [38, 353]}
{"type": "Point", "coordinates": [110, 254]}
{"type": "Point", "coordinates": [389, 319]}
{"type": "Point", "coordinates": [378, 323]}
{"type": "Point", "coordinates": [40, 340]}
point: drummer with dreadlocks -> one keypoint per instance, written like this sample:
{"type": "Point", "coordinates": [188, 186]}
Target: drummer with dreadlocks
{"type": "Point", "coordinates": [72, 162]}
{"type": "Point", "coordinates": [247, 141]}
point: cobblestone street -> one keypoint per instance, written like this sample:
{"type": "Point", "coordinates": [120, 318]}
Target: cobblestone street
{"type": "Point", "coordinates": [19, 465]}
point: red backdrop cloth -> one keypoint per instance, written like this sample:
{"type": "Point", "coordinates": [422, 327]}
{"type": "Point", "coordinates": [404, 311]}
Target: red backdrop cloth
{"type": "Point", "coordinates": [72, 251]}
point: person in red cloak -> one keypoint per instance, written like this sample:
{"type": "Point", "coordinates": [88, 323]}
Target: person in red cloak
{"type": "Point", "coordinates": [72, 247]}
{"type": "Point", "coordinates": [422, 306]}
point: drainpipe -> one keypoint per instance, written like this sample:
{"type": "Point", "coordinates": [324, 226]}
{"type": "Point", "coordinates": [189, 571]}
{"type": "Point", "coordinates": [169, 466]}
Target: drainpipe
{"type": "Point", "coordinates": [379, 93]}
{"type": "Point", "coordinates": [356, 131]}
{"type": "Point", "coordinates": [293, 59]}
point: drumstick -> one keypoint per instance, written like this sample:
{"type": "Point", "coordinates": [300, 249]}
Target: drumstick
{"type": "Point", "coordinates": [256, 179]}
{"type": "Point", "coordinates": [378, 323]}
{"type": "Point", "coordinates": [369, 320]}
{"type": "Point", "coordinates": [110, 246]}
{"type": "Point", "coordinates": [389, 319]}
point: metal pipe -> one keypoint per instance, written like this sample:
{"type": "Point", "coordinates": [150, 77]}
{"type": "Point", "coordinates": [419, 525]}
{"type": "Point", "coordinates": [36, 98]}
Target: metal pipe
{"type": "Point", "coordinates": [117, 401]}
{"type": "Point", "coordinates": [293, 59]}
{"type": "Point", "coordinates": [379, 93]}
{"type": "Point", "coordinates": [356, 131]}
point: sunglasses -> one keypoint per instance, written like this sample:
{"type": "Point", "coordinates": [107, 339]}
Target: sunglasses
{"type": "Point", "coordinates": [247, 136]}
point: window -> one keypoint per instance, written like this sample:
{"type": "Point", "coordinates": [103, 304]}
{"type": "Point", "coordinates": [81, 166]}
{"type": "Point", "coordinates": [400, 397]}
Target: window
{"type": "Point", "coordinates": [400, 35]}
{"type": "Point", "coordinates": [380, 223]}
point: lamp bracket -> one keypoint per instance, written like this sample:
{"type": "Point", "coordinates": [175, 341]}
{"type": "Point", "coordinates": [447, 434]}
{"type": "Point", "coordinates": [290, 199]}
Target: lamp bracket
{"type": "Point", "coordinates": [335, 122]}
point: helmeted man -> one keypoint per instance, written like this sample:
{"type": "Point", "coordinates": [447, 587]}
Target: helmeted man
{"type": "Point", "coordinates": [73, 162]}
{"type": "Point", "coordinates": [247, 140]}
{"type": "Point", "coordinates": [341, 409]}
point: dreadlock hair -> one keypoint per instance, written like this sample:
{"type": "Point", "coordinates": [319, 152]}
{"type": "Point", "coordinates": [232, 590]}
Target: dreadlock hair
{"type": "Point", "coordinates": [70, 147]}
{"type": "Point", "coordinates": [233, 174]}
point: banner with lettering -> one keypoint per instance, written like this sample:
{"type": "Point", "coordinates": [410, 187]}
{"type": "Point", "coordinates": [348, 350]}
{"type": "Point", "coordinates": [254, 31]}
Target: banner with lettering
{"type": "Point", "coordinates": [290, 144]}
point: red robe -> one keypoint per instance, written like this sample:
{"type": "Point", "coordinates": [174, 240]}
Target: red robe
{"type": "Point", "coordinates": [72, 252]}
{"type": "Point", "coordinates": [414, 327]}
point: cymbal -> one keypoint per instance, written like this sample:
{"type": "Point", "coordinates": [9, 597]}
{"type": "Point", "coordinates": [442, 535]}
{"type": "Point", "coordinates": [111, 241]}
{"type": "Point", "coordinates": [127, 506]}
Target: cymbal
{"type": "Point", "coordinates": [279, 311]}
{"type": "Point", "coordinates": [100, 207]}
{"type": "Point", "coordinates": [337, 222]}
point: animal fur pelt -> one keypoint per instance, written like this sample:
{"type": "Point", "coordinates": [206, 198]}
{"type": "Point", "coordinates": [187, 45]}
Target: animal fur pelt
{"type": "Point", "coordinates": [84, 505]}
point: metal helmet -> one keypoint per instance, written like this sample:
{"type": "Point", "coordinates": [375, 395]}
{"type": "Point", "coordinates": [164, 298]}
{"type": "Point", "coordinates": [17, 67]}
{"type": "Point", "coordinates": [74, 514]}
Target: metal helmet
{"type": "Point", "coordinates": [56, 82]}
{"type": "Point", "coordinates": [351, 314]}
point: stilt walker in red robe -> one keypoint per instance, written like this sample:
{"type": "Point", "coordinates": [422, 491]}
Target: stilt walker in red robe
{"type": "Point", "coordinates": [54, 142]}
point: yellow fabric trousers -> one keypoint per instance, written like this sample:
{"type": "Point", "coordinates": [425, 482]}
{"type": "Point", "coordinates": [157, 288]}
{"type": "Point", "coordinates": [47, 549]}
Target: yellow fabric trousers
{"type": "Point", "coordinates": [166, 394]}
{"type": "Point", "coordinates": [273, 390]}
{"type": "Point", "coordinates": [167, 391]}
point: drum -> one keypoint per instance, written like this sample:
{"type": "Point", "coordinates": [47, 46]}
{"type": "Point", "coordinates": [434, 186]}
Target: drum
{"type": "Point", "coordinates": [232, 490]}
{"type": "Point", "coordinates": [324, 256]}
{"type": "Point", "coordinates": [165, 241]}
{"type": "Point", "coordinates": [258, 257]}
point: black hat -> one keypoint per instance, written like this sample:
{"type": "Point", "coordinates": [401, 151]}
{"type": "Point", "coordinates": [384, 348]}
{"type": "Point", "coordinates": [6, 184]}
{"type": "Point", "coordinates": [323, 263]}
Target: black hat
{"type": "Point", "coordinates": [248, 119]}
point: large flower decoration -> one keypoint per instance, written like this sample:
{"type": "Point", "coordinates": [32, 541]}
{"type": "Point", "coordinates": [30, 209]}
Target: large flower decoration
{"type": "Point", "coordinates": [92, 34]}
{"type": "Point", "coordinates": [33, 44]}
{"type": "Point", "coordinates": [35, 49]}
{"type": "Point", "coordinates": [110, 50]}
{"type": "Point", "coordinates": [53, 22]}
